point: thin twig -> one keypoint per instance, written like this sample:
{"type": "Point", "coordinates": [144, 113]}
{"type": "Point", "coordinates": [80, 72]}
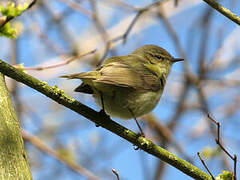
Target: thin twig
{"type": "Point", "coordinates": [206, 20]}
{"type": "Point", "coordinates": [51, 45]}
{"type": "Point", "coordinates": [218, 127]}
{"type": "Point", "coordinates": [125, 35]}
{"type": "Point", "coordinates": [31, 4]}
{"type": "Point", "coordinates": [101, 29]}
{"type": "Point", "coordinates": [140, 12]}
{"type": "Point", "coordinates": [116, 173]}
{"type": "Point", "coordinates": [204, 164]}
{"type": "Point", "coordinates": [106, 50]}
{"type": "Point", "coordinates": [235, 167]}
{"type": "Point", "coordinates": [57, 19]}
{"type": "Point", "coordinates": [219, 142]}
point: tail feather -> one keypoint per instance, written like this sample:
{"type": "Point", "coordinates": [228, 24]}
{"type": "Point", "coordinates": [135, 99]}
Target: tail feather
{"type": "Point", "coordinates": [83, 75]}
{"type": "Point", "coordinates": [84, 88]}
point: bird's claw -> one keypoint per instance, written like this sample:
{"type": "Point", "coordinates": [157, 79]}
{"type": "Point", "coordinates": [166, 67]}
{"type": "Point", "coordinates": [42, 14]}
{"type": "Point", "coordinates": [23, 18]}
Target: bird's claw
{"type": "Point", "coordinates": [140, 134]}
{"type": "Point", "coordinates": [103, 113]}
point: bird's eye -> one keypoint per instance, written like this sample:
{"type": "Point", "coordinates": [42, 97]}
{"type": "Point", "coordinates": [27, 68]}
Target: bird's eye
{"type": "Point", "coordinates": [159, 57]}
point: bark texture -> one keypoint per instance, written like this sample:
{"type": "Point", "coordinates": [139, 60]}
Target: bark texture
{"type": "Point", "coordinates": [13, 158]}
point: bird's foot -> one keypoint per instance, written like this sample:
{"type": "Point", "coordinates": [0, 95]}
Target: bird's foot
{"type": "Point", "coordinates": [103, 113]}
{"type": "Point", "coordinates": [141, 134]}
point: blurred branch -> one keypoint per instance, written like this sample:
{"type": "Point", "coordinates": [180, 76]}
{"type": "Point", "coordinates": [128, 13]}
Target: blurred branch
{"type": "Point", "coordinates": [140, 12]}
{"type": "Point", "coordinates": [183, 97]}
{"type": "Point", "coordinates": [202, 69]}
{"type": "Point", "coordinates": [101, 29]}
{"type": "Point", "coordinates": [125, 35]}
{"type": "Point", "coordinates": [226, 12]}
{"type": "Point", "coordinates": [75, 6]}
{"type": "Point", "coordinates": [101, 120]}
{"type": "Point", "coordinates": [71, 164]}
{"type": "Point", "coordinates": [120, 3]}
{"type": "Point", "coordinates": [44, 36]}
{"type": "Point", "coordinates": [205, 23]}
{"type": "Point", "coordinates": [15, 87]}
{"type": "Point", "coordinates": [58, 20]}
{"type": "Point", "coordinates": [67, 61]}
{"type": "Point", "coordinates": [177, 43]}
{"type": "Point", "coordinates": [176, 2]}
{"type": "Point", "coordinates": [164, 132]}
{"type": "Point", "coordinates": [173, 123]}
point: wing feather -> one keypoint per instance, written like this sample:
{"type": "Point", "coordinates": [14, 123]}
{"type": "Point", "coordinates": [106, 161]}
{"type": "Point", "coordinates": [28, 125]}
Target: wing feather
{"type": "Point", "coordinates": [123, 71]}
{"type": "Point", "coordinates": [125, 75]}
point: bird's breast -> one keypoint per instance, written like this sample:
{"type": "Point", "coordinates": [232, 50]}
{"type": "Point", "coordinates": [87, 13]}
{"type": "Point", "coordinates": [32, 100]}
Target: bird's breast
{"type": "Point", "coordinates": [117, 103]}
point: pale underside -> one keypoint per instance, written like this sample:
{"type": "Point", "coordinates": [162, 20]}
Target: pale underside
{"type": "Point", "coordinates": [121, 100]}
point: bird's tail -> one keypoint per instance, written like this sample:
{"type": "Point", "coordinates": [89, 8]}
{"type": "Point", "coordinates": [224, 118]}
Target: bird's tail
{"type": "Point", "coordinates": [83, 75]}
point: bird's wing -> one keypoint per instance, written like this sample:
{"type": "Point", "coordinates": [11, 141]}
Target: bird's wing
{"type": "Point", "coordinates": [123, 71]}
{"type": "Point", "coordinates": [83, 75]}
{"type": "Point", "coordinates": [128, 73]}
{"type": "Point", "coordinates": [84, 88]}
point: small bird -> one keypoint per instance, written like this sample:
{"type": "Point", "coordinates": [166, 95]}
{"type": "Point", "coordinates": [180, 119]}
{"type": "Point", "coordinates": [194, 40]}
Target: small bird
{"type": "Point", "coordinates": [128, 86]}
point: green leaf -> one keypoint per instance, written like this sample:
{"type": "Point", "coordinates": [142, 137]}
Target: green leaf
{"type": "Point", "coordinates": [8, 31]}
{"type": "Point", "coordinates": [9, 12]}
{"type": "Point", "coordinates": [12, 11]}
{"type": "Point", "coordinates": [226, 175]}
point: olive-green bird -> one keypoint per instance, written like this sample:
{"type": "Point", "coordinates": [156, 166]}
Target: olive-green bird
{"type": "Point", "coordinates": [128, 86]}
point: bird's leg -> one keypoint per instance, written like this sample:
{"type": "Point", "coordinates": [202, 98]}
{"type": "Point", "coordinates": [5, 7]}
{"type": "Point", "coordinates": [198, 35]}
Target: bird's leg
{"type": "Point", "coordinates": [102, 111]}
{"type": "Point", "coordinates": [101, 96]}
{"type": "Point", "coordinates": [134, 117]}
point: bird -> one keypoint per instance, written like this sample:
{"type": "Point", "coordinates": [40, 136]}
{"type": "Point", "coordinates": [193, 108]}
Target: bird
{"type": "Point", "coordinates": [128, 86]}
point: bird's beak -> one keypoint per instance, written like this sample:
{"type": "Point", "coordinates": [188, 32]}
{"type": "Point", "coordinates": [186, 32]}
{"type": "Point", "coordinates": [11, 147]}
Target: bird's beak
{"type": "Point", "coordinates": [177, 59]}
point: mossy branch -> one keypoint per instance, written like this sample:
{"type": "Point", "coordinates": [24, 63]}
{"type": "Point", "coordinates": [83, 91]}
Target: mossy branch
{"type": "Point", "coordinates": [104, 121]}
{"type": "Point", "coordinates": [226, 12]}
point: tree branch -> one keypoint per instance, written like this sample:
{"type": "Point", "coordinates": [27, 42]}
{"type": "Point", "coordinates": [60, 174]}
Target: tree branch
{"type": "Point", "coordinates": [226, 12]}
{"type": "Point", "coordinates": [148, 146]}
{"type": "Point", "coordinates": [13, 157]}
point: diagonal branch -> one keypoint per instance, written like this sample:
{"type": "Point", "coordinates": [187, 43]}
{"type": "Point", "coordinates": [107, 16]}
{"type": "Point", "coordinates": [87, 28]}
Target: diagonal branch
{"type": "Point", "coordinates": [226, 12]}
{"type": "Point", "coordinates": [104, 121]}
